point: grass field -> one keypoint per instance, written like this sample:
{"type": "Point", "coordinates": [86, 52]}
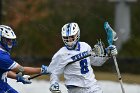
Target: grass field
{"type": "Point", "coordinates": [127, 78]}
{"type": "Point", "coordinates": [42, 86]}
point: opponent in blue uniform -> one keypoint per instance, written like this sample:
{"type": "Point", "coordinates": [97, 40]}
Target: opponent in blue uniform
{"type": "Point", "coordinates": [9, 67]}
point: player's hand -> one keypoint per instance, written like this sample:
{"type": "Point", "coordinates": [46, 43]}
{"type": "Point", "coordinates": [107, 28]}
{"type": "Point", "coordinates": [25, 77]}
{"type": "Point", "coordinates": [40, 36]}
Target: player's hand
{"type": "Point", "coordinates": [24, 79]}
{"type": "Point", "coordinates": [44, 70]}
{"type": "Point", "coordinates": [54, 88]}
{"type": "Point", "coordinates": [112, 50]}
{"type": "Point", "coordinates": [99, 49]}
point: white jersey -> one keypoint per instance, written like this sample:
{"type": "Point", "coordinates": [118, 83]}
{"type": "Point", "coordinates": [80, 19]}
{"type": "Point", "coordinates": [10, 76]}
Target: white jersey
{"type": "Point", "coordinates": [79, 73]}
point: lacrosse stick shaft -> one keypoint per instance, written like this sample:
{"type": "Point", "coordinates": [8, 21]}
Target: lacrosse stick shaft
{"type": "Point", "coordinates": [118, 72]}
{"type": "Point", "coordinates": [35, 76]}
{"type": "Point", "coordinates": [111, 34]}
{"type": "Point", "coordinates": [86, 54]}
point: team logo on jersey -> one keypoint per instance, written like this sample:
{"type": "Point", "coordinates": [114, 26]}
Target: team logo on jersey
{"type": "Point", "coordinates": [79, 56]}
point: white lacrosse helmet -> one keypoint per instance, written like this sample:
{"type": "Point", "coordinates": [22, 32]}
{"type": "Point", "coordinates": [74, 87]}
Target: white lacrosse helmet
{"type": "Point", "coordinates": [70, 35]}
{"type": "Point", "coordinates": [7, 37]}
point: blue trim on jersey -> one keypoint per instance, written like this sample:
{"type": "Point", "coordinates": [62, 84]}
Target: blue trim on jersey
{"type": "Point", "coordinates": [73, 48]}
{"type": "Point", "coordinates": [12, 66]}
{"type": "Point", "coordinates": [78, 46]}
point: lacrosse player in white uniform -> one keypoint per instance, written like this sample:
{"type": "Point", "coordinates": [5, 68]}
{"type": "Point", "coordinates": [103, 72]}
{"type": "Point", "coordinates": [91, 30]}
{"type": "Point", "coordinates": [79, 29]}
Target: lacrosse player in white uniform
{"type": "Point", "coordinates": [79, 76]}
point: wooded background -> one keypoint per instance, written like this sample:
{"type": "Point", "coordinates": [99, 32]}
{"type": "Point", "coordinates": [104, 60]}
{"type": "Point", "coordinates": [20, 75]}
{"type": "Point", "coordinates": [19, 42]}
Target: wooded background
{"type": "Point", "coordinates": [37, 24]}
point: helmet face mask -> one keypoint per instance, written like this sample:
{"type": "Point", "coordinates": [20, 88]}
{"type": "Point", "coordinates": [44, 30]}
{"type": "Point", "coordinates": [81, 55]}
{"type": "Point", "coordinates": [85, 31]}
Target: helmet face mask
{"type": "Point", "coordinates": [70, 35]}
{"type": "Point", "coordinates": [8, 42]}
{"type": "Point", "coordinates": [70, 40]}
{"type": "Point", "coordinates": [7, 37]}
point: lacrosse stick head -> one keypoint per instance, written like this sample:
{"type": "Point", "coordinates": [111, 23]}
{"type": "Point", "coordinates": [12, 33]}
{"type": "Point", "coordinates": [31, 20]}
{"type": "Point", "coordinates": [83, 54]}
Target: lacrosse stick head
{"type": "Point", "coordinates": [111, 34]}
{"type": "Point", "coordinates": [99, 48]}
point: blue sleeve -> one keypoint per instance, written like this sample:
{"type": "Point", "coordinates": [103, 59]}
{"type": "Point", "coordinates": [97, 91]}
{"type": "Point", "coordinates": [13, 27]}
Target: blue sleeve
{"type": "Point", "coordinates": [6, 63]}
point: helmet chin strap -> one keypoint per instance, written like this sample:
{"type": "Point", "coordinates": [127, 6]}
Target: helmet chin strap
{"type": "Point", "coordinates": [6, 47]}
{"type": "Point", "coordinates": [74, 47]}
{"type": "Point", "coordinates": [9, 46]}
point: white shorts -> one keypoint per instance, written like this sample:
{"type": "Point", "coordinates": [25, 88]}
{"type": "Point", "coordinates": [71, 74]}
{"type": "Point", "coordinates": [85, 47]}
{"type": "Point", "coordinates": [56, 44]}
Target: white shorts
{"type": "Point", "coordinates": [93, 89]}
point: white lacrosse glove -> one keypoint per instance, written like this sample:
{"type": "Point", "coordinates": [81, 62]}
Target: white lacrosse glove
{"type": "Point", "coordinates": [112, 50]}
{"type": "Point", "coordinates": [99, 49]}
{"type": "Point", "coordinates": [24, 79]}
{"type": "Point", "coordinates": [54, 88]}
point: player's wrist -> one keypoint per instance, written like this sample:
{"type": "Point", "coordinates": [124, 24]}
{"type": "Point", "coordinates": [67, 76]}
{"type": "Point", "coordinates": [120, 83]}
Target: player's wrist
{"type": "Point", "coordinates": [44, 69]}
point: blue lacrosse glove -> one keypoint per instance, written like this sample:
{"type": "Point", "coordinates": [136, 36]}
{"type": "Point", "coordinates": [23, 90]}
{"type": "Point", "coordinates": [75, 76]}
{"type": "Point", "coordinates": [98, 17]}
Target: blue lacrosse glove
{"type": "Point", "coordinates": [112, 50]}
{"type": "Point", "coordinates": [54, 88]}
{"type": "Point", "coordinates": [44, 70]}
{"type": "Point", "coordinates": [23, 79]}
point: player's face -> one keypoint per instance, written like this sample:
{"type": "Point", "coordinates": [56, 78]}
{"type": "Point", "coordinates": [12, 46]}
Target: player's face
{"type": "Point", "coordinates": [9, 42]}
{"type": "Point", "coordinates": [70, 39]}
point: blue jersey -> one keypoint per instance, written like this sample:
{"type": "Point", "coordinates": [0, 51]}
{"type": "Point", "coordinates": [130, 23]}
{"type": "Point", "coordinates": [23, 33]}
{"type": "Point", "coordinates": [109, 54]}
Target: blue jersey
{"type": "Point", "coordinates": [6, 64]}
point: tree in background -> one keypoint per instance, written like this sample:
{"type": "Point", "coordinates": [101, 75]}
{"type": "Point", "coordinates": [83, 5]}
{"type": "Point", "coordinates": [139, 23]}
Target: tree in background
{"type": "Point", "coordinates": [37, 23]}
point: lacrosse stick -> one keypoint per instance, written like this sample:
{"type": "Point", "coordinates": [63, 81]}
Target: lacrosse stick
{"type": "Point", "coordinates": [35, 76]}
{"type": "Point", "coordinates": [111, 36]}
{"type": "Point", "coordinates": [83, 55]}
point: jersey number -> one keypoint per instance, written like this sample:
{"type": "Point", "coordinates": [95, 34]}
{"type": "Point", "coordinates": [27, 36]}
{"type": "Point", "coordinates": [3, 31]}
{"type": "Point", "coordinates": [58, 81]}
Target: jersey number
{"type": "Point", "coordinates": [84, 66]}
